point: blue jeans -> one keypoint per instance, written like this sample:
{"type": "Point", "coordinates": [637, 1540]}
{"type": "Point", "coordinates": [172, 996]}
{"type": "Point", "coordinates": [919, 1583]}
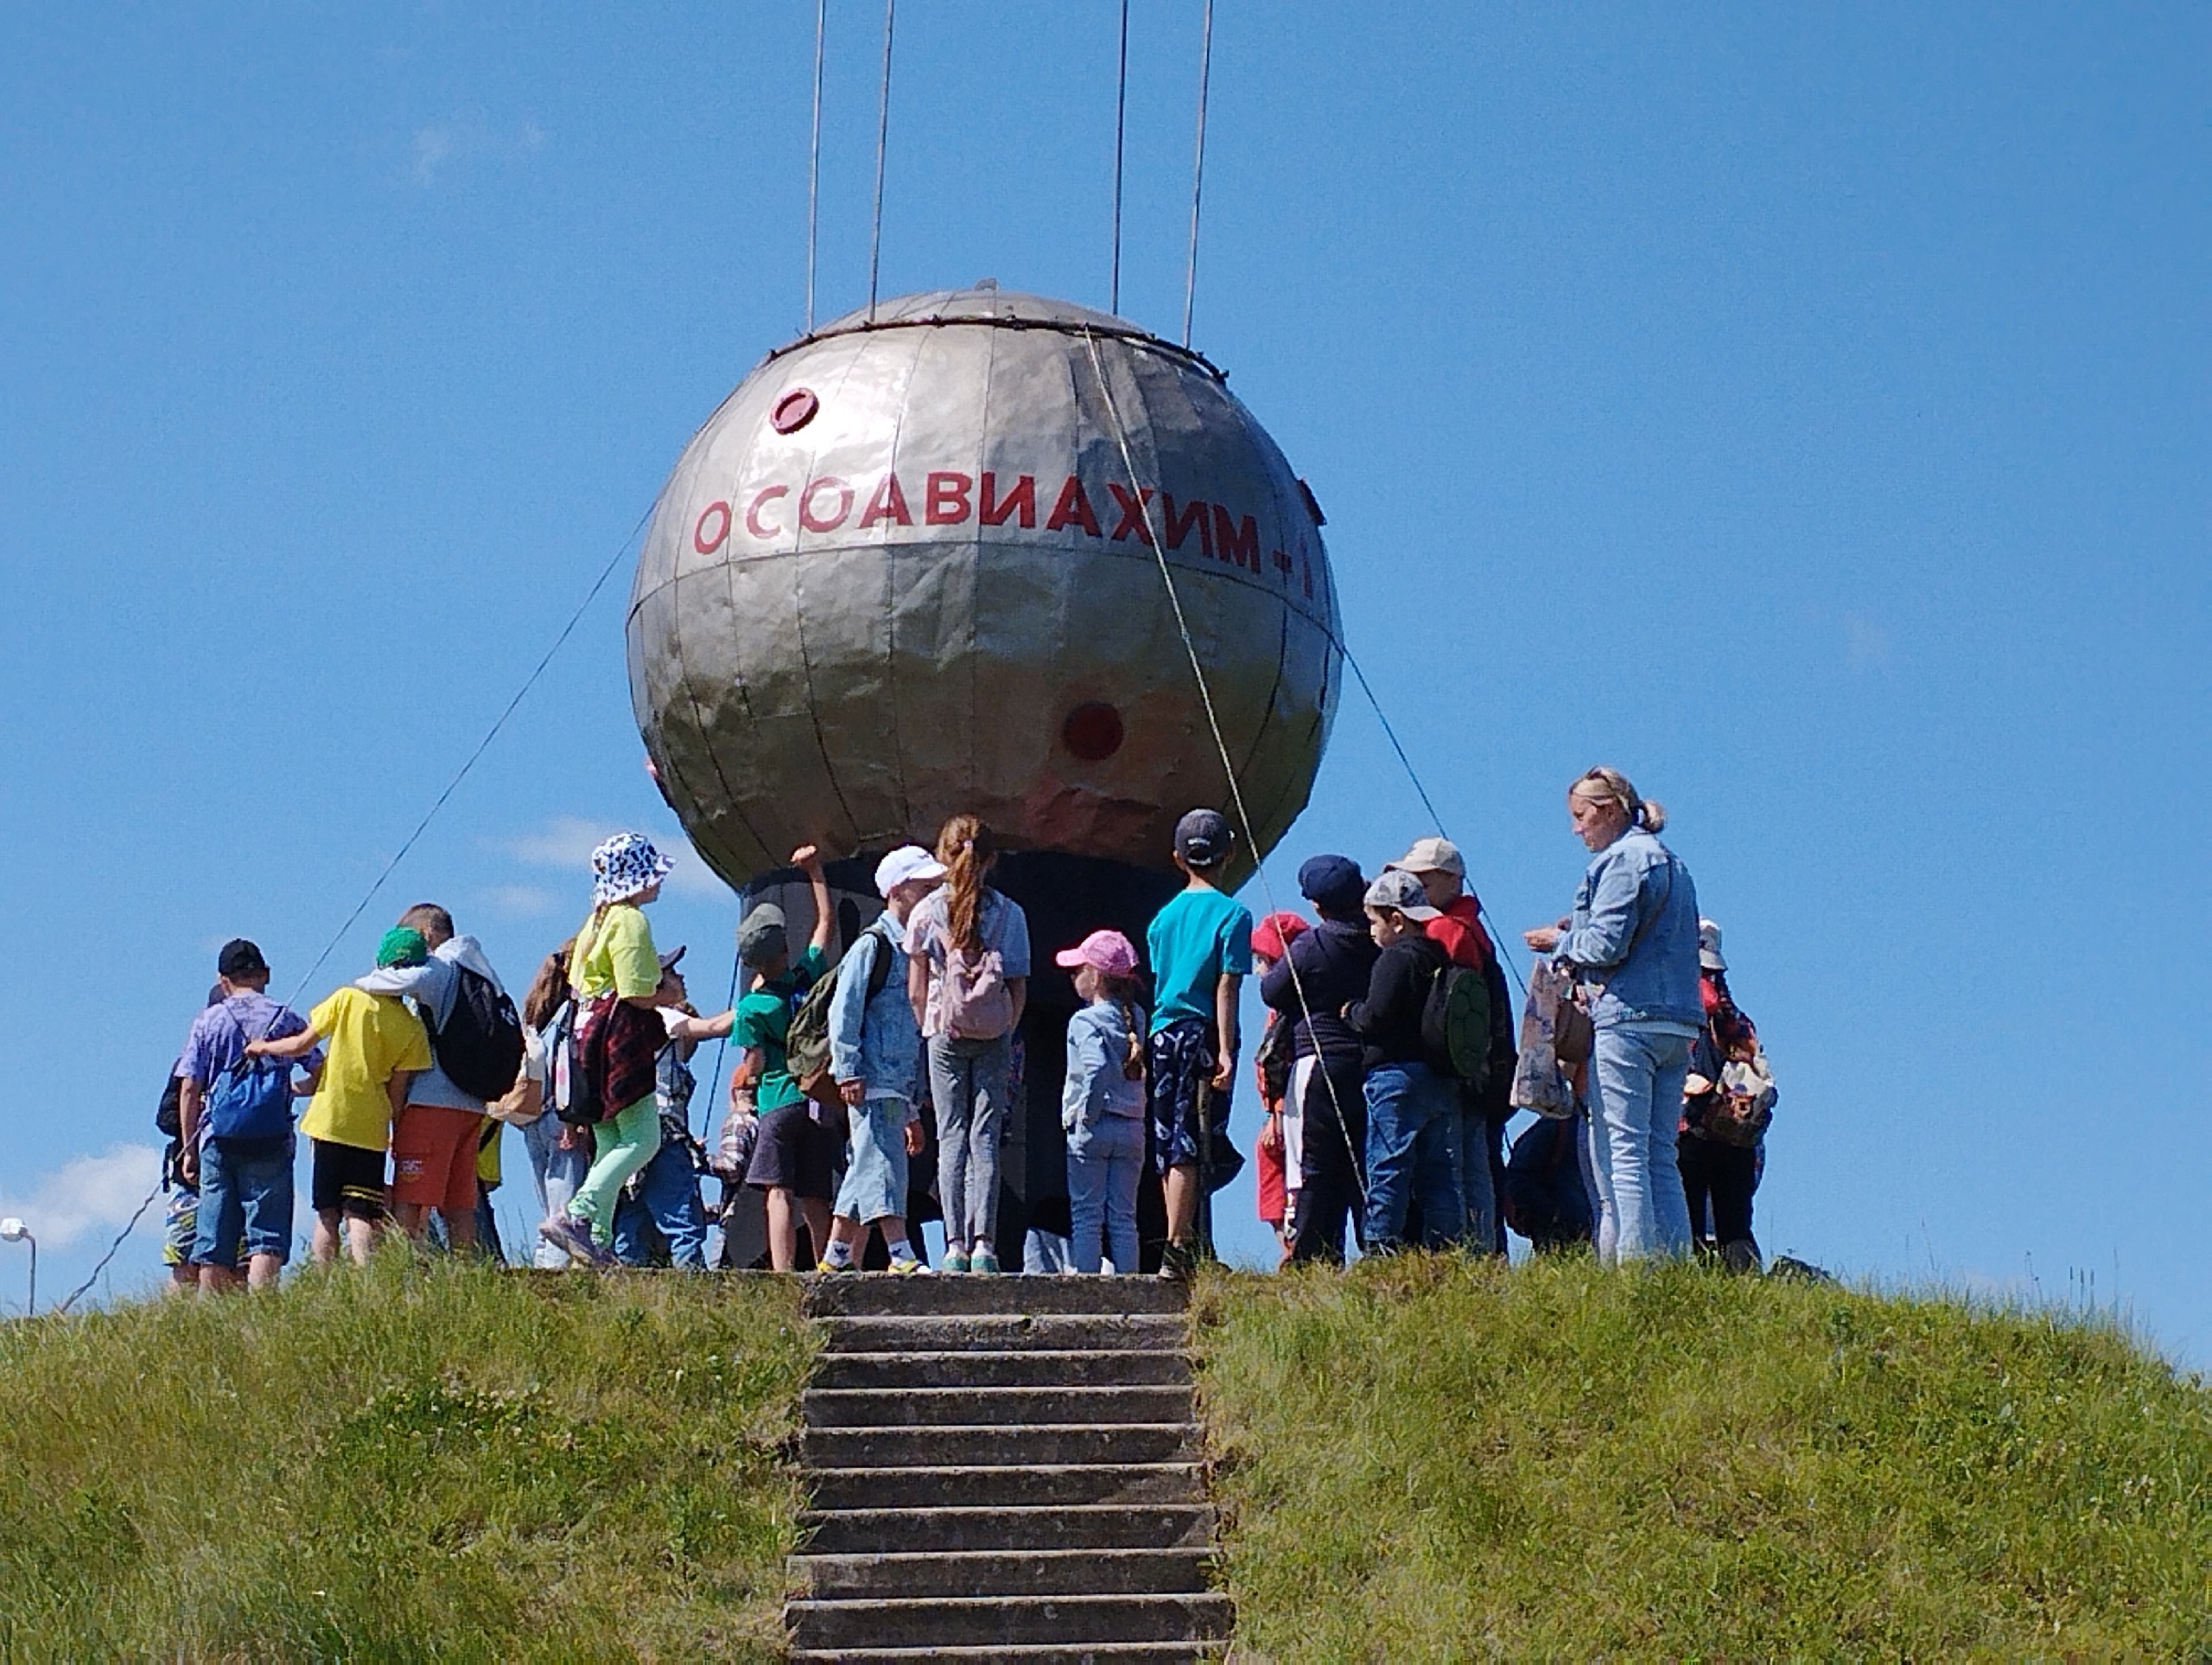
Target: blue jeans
{"type": "Point", "coordinates": [1412, 1150]}
{"type": "Point", "coordinates": [875, 1168]}
{"type": "Point", "coordinates": [245, 1189]}
{"type": "Point", "coordinates": [1477, 1189]}
{"type": "Point", "coordinates": [968, 1083]}
{"type": "Point", "coordinates": [556, 1173]}
{"type": "Point", "coordinates": [1104, 1161]}
{"type": "Point", "coordinates": [1635, 1083]}
{"type": "Point", "coordinates": [668, 1194]}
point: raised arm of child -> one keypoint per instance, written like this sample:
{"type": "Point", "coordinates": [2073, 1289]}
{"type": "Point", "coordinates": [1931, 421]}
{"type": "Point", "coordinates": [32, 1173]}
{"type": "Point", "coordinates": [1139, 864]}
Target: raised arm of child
{"type": "Point", "coordinates": [808, 860]}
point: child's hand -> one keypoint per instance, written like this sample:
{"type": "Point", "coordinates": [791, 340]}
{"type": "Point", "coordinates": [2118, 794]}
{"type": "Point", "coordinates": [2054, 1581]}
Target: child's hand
{"type": "Point", "coordinates": [914, 1140]}
{"type": "Point", "coordinates": [1271, 1134]}
{"type": "Point", "coordinates": [854, 1093]}
{"type": "Point", "coordinates": [807, 858]}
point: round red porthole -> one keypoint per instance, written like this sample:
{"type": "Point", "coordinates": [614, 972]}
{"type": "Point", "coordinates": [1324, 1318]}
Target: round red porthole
{"type": "Point", "coordinates": [794, 410]}
{"type": "Point", "coordinates": [1093, 731]}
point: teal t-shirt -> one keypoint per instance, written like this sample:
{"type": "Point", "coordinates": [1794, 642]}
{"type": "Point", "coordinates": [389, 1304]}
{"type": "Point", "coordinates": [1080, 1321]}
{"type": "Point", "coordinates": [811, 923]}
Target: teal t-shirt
{"type": "Point", "coordinates": [1197, 938]}
{"type": "Point", "coordinates": [764, 1020]}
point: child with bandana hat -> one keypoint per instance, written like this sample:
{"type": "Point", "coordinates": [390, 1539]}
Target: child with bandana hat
{"type": "Point", "coordinates": [373, 1046]}
{"type": "Point", "coordinates": [615, 966]}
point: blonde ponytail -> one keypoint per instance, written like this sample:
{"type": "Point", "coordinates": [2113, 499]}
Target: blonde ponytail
{"type": "Point", "coordinates": [1604, 785]}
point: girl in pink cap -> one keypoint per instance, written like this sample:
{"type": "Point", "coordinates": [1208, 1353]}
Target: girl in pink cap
{"type": "Point", "coordinates": [1102, 1107]}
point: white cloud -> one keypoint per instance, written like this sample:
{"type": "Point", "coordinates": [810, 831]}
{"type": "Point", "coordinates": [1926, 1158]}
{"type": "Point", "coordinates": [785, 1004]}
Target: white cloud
{"type": "Point", "coordinates": [568, 840]}
{"type": "Point", "coordinates": [86, 1194]}
{"type": "Point", "coordinates": [433, 146]}
{"type": "Point", "coordinates": [470, 136]}
{"type": "Point", "coordinates": [1865, 643]}
{"type": "Point", "coordinates": [521, 901]}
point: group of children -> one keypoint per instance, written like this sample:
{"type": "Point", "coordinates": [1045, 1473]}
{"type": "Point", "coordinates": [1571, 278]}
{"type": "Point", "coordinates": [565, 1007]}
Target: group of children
{"type": "Point", "coordinates": [1375, 1128]}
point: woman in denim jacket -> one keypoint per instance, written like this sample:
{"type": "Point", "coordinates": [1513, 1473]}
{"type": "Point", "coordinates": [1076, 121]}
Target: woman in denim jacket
{"type": "Point", "coordinates": [1631, 942]}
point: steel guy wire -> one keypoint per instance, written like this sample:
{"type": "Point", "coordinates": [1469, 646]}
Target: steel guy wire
{"type": "Point", "coordinates": [491, 734]}
{"type": "Point", "coordinates": [482, 746]}
{"type": "Point", "coordinates": [1121, 115]}
{"type": "Point", "coordinates": [1221, 744]}
{"type": "Point", "coordinates": [93, 1276]}
{"type": "Point", "coordinates": [1198, 170]}
{"type": "Point", "coordinates": [721, 1046]}
{"type": "Point", "coordinates": [1497, 937]}
{"type": "Point", "coordinates": [882, 136]}
{"type": "Point", "coordinates": [814, 157]}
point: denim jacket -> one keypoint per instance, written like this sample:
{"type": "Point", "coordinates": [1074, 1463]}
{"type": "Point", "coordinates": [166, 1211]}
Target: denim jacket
{"type": "Point", "coordinates": [875, 1041]}
{"type": "Point", "coordinates": [1097, 1085]}
{"type": "Point", "coordinates": [1633, 939]}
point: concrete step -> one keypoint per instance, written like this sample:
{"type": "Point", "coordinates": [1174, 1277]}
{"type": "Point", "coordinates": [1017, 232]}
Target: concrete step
{"type": "Point", "coordinates": [857, 1295]}
{"type": "Point", "coordinates": [1053, 1443]}
{"type": "Point", "coordinates": [1003, 1573]}
{"type": "Point", "coordinates": [1030, 1368]}
{"type": "Point", "coordinates": [1007, 1487]}
{"type": "Point", "coordinates": [1009, 1331]}
{"type": "Point", "coordinates": [909, 1407]}
{"type": "Point", "coordinates": [1027, 1653]}
{"type": "Point", "coordinates": [1081, 1622]}
{"type": "Point", "coordinates": [1088, 1526]}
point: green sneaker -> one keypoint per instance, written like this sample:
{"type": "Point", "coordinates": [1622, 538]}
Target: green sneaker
{"type": "Point", "coordinates": [910, 1268]}
{"type": "Point", "coordinates": [984, 1261]}
{"type": "Point", "coordinates": [956, 1260]}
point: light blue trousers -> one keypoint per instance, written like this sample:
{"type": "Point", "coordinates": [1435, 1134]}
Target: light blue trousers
{"type": "Point", "coordinates": [1635, 1082]}
{"type": "Point", "coordinates": [875, 1164]}
{"type": "Point", "coordinates": [1105, 1162]}
{"type": "Point", "coordinates": [968, 1083]}
{"type": "Point", "coordinates": [556, 1173]}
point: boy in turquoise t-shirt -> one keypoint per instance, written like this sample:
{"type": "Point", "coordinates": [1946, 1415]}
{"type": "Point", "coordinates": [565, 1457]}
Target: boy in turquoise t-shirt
{"type": "Point", "coordinates": [1201, 945]}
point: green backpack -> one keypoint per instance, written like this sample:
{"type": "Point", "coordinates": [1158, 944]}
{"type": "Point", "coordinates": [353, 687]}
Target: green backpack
{"type": "Point", "coordinates": [806, 1046]}
{"type": "Point", "coordinates": [1455, 1025]}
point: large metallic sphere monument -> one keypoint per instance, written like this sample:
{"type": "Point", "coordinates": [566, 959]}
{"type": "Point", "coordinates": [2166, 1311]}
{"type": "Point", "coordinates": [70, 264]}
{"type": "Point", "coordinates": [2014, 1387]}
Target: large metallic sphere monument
{"type": "Point", "coordinates": [902, 572]}
{"type": "Point", "coordinates": [905, 572]}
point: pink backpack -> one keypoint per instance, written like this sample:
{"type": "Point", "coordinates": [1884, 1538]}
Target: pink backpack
{"type": "Point", "coordinates": [973, 1002]}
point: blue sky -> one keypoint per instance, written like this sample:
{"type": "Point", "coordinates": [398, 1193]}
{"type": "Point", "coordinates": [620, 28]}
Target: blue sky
{"type": "Point", "coordinates": [1803, 409]}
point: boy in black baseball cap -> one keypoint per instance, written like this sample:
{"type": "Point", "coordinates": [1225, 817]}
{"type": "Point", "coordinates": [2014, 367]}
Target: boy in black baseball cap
{"type": "Point", "coordinates": [1200, 946]}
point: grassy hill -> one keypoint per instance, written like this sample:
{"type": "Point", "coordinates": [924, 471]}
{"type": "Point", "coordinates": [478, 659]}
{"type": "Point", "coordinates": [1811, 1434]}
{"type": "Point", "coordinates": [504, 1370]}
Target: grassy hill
{"type": "Point", "coordinates": [1432, 1460]}
{"type": "Point", "coordinates": [414, 1463]}
{"type": "Point", "coordinates": [1421, 1460]}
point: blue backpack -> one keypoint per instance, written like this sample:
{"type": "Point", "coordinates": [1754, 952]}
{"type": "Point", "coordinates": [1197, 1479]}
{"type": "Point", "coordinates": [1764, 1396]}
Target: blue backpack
{"type": "Point", "coordinates": [252, 1099]}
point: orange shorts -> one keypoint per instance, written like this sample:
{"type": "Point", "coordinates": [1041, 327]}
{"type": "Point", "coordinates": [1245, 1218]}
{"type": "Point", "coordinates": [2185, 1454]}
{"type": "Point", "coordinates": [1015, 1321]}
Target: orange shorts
{"type": "Point", "coordinates": [434, 1158]}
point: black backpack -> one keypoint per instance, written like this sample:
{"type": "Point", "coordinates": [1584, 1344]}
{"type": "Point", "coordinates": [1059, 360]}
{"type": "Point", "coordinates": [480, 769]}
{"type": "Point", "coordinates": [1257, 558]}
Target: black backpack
{"type": "Point", "coordinates": [480, 1045]}
{"type": "Point", "coordinates": [169, 1116]}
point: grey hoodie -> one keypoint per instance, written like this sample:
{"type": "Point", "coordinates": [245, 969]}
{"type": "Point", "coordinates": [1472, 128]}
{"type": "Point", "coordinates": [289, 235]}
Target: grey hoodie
{"type": "Point", "coordinates": [433, 988]}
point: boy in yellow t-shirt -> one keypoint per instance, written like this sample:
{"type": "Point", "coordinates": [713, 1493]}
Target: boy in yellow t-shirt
{"type": "Point", "coordinates": [373, 1046]}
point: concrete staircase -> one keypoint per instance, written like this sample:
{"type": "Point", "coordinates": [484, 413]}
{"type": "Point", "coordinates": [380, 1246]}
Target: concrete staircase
{"type": "Point", "coordinates": [1004, 1468]}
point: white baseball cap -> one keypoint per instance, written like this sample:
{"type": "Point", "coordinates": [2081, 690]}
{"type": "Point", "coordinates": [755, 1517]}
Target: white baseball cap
{"type": "Point", "coordinates": [1708, 946]}
{"type": "Point", "coordinates": [907, 862]}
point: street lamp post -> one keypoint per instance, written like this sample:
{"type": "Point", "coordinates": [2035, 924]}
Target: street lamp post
{"type": "Point", "coordinates": [13, 1230]}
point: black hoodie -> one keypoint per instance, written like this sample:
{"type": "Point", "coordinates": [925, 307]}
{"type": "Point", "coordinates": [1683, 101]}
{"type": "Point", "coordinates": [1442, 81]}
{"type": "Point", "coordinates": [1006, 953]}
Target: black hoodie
{"type": "Point", "coordinates": [1388, 1019]}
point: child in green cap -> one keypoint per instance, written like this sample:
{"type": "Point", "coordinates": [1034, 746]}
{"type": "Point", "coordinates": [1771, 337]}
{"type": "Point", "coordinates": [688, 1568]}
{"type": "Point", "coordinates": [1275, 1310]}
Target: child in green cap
{"type": "Point", "coordinates": [373, 1046]}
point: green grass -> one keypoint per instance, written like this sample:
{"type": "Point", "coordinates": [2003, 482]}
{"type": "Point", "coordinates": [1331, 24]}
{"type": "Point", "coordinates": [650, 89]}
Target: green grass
{"type": "Point", "coordinates": [1422, 1459]}
{"type": "Point", "coordinates": [420, 1461]}
{"type": "Point", "coordinates": [1437, 1459]}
